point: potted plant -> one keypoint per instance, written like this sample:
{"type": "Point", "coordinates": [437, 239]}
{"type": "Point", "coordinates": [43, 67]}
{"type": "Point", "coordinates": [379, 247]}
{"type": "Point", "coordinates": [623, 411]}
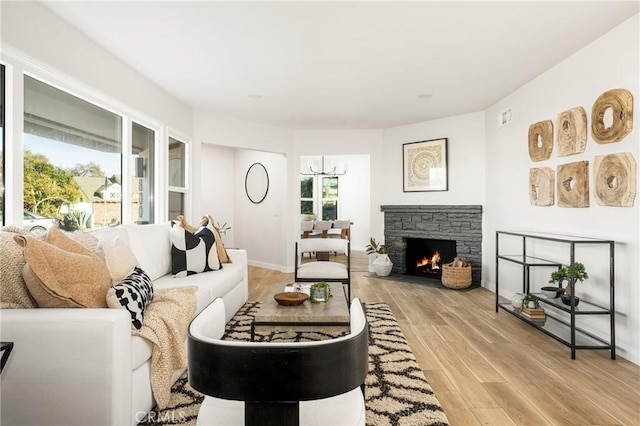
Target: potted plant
{"type": "Point", "coordinates": [563, 275]}
{"type": "Point", "coordinates": [320, 292]}
{"type": "Point", "coordinates": [530, 302]}
{"type": "Point", "coordinates": [382, 265]}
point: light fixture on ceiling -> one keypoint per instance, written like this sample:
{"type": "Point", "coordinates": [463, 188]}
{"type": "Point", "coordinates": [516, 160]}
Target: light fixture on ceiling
{"type": "Point", "coordinates": [323, 172]}
{"type": "Point", "coordinates": [255, 96]}
{"type": "Point", "coordinates": [425, 96]}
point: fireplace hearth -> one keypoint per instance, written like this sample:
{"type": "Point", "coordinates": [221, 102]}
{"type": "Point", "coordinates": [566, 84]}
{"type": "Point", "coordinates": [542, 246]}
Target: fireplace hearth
{"type": "Point", "coordinates": [461, 224]}
{"type": "Point", "coordinates": [424, 257]}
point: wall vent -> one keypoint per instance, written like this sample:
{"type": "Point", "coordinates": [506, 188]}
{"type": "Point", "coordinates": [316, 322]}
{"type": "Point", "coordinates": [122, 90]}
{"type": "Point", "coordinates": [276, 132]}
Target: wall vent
{"type": "Point", "coordinates": [504, 118]}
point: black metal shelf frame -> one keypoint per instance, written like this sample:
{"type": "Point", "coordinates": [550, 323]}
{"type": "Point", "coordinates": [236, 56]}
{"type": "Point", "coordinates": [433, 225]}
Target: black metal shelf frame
{"type": "Point", "coordinates": [565, 332]}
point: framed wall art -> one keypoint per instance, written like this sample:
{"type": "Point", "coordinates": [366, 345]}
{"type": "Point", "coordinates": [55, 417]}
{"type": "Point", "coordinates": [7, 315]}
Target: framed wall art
{"type": "Point", "coordinates": [425, 166]}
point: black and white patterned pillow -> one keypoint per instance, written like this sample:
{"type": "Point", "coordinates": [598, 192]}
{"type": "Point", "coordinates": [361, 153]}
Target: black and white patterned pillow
{"type": "Point", "coordinates": [193, 253]}
{"type": "Point", "coordinates": [133, 293]}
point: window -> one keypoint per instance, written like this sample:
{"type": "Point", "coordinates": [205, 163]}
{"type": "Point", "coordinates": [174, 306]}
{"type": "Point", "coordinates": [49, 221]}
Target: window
{"type": "Point", "coordinates": [2, 109]}
{"type": "Point", "coordinates": [177, 178]}
{"type": "Point", "coordinates": [319, 190]}
{"type": "Point", "coordinates": [306, 195]}
{"type": "Point", "coordinates": [72, 158]}
{"type": "Point", "coordinates": [143, 141]}
{"type": "Point", "coordinates": [329, 198]}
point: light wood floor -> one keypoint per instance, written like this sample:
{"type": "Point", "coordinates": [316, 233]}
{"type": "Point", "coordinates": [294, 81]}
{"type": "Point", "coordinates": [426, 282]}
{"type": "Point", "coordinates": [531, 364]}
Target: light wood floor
{"type": "Point", "coordinates": [493, 369]}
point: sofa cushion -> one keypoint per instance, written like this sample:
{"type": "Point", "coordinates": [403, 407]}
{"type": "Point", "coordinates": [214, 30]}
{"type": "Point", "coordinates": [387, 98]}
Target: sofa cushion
{"type": "Point", "coordinates": [133, 293]}
{"type": "Point", "coordinates": [152, 247]}
{"type": "Point", "coordinates": [68, 274]}
{"type": "Point", "coordinates": [110, 234]}
{"type": "Point", "coordinates": [119, 258]}
{"type": "Point", "coordinates": [13, 290]}
{"type": "Point", "coordinates": [193, 253]}
{"type": "Point", "coordinates": [210, 284]}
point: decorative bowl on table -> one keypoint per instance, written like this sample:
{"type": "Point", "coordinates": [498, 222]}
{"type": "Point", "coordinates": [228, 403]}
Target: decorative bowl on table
{"type": "Point", "coordinates": [291, 298]}
{"type": "Point", "coordinates": [566, 299]}
{"type": "Point", "coordinates": [552, 292]}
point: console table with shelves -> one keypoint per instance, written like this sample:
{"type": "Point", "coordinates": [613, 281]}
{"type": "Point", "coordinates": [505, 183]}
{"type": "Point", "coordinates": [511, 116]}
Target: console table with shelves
{"type": "Point", "coordinates": [562, 325]}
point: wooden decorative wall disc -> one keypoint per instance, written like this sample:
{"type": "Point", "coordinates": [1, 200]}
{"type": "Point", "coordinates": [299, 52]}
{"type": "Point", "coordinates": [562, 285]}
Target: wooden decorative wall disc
{"type": "Point", "coordinates": [572, 132]}
{"type": "Point", "coordinates": [612, 116]}
{"type": "Point", "coordinates": [542, 186]}
{"type": "Point", "coordinates": [615, 176]}
{"type": "Point", "coordinates": [541, 140]}
{"type": "Point", "coordinates": [573, 184]}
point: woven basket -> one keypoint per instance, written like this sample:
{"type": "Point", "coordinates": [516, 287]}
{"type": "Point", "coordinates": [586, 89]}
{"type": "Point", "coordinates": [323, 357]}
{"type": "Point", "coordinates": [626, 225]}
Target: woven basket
{"type": "Point", "coordinates": [456, 277]}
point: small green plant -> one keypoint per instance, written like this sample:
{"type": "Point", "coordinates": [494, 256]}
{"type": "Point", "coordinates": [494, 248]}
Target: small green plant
{"type": "Point", "coordinates": [579, 273]}
{"type": "Point", "coordinates": [320, 288]}
{"type": "Point", "coordinates": [374, 247]}
{"type": "Point", "coordinates": [527, 299]}
{"type": "Point", "coordinates": [75, 220]}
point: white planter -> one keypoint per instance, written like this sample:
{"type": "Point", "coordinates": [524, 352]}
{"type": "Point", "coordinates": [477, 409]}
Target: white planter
{"type": "Point", "coordinates": [372, 258]}
{"type": "Point", "coordinates": [382, 265]}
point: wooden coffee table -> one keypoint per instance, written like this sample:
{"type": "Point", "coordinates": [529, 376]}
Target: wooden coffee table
{"type": "Point", "coordinates": [334, 313]}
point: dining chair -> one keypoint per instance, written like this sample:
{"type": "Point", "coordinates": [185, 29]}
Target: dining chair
{"type": "Point", "coordinates": [323, 270]}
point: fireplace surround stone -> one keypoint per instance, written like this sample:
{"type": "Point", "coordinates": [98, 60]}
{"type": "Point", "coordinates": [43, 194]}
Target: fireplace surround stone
{"type": "Point", "coordinates": [462, 223]}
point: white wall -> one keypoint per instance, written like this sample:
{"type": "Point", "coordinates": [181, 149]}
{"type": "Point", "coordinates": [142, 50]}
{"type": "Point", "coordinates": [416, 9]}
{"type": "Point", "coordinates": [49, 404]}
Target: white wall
{"type": "Point", "coordinates": [466, 163]}
{"type": "Point", "coordinates": [260, 228]}
{"type": "Point", "coordinates": [34, 30]}
{"type": "Point", "coordinates": [218, 189]}
{"type": "Point", "coordinates": [355, 190]}
{"type": "Point", "coordinates": [609, 62]}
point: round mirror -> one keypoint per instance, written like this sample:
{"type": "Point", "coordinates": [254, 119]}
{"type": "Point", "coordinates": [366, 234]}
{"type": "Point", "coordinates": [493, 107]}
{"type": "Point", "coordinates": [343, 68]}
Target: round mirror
{"type": "Point", "coordinates": [256, 183]}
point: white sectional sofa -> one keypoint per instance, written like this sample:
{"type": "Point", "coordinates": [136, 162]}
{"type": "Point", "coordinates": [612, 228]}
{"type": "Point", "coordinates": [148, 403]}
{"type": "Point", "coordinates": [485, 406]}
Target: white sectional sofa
{"type": "Point", "coordinates": [83, 366]}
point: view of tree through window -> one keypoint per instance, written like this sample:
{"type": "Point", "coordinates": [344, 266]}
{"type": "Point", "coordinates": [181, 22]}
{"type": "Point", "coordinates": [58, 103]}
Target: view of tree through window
{"type": "Point", "coordinates": [72, 158]}
{"type": "Point", "coordinates": [306, 195]}
{"type": "Point", "coordinates": [330, 198]}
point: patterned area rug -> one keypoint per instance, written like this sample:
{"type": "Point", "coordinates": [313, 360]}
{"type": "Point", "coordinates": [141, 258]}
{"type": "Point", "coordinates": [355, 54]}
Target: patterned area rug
{"type": "Point", "coordinates": [397, 392]}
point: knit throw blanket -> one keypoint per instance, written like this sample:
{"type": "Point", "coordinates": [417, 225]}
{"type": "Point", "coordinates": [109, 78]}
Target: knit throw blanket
{"type": "Point", "coordinates": [165, 324]}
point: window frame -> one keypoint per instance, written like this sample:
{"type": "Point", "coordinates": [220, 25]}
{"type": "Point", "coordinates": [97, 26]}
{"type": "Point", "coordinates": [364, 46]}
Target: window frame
{"type": "Point", "coordinates": [323, 198]}
{"type": "Point", "coordinates": [125, 141]}
{"type": "Point", "coordinates": [155, 193]}
{"type": "Point", "coordinates": [185, 189]}
{"type": "Point", "coordinates": [313, 193]}
{"type": "Point", "coordinates": [318, 199]}
{"type": "Point", "coordinates": [3, 109]}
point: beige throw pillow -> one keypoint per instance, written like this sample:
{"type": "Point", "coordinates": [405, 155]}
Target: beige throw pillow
{"type": "Point", "coordinates": [13, 291]}
{"type": "Point", "coordinates": [119, 258]}
{"type": "Point", "coordinates": [68, 274]}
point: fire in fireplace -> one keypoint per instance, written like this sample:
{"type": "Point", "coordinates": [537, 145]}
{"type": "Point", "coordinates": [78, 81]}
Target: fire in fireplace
{"type": "Point", "coordinates": [425, 257]}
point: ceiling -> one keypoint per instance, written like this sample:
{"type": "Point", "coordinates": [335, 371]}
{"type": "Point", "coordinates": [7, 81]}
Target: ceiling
{"type": "Point", "coordinates": [342, 65]}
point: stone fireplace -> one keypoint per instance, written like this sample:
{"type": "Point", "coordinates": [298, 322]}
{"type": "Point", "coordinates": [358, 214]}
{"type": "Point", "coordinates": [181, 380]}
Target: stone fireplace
{"type": "Point", "coordinates": [459, 227]}
{"type": "Point", "coordinates": [424, 257]}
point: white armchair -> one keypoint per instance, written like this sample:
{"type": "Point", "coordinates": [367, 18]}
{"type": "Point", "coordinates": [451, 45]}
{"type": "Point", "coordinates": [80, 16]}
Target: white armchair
{"type": "Point", "coordinates": [260, 383]}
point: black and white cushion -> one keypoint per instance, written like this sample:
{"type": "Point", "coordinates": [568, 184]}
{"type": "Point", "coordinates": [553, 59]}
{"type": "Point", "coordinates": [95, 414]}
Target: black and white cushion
{"type": "Point", "coordinates": [133, 293]}
{"type": "Point", "coordinates": [193, 253]}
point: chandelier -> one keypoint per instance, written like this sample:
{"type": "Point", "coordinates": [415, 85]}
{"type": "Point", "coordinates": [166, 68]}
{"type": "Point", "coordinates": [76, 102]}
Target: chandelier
{"type": "Point", "coordinates": [323, 172]}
